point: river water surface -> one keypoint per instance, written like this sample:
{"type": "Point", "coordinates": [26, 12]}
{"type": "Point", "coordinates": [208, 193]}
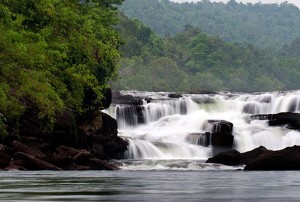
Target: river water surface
{"type": "Point", "coordinates": [150, 185]}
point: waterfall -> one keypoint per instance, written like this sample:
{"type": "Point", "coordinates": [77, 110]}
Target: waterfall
{"type": "Point", "coordinates": [177, 128]}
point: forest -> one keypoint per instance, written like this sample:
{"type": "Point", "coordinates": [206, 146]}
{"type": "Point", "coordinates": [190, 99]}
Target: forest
{"type": "Point", "coordinates": [266, 25]}
{"type": "Point", "coordinates": [193, 61]}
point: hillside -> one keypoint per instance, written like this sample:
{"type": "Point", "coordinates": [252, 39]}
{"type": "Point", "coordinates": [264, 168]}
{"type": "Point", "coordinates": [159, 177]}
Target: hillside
{"type": "Point", "coordinates": [193, 61]}
{"type": "Point", "coordinates": [266, 25]}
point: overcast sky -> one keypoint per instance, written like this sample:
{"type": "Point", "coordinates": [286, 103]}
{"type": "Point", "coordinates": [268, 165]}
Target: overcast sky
{"type": "Point", "coordinates": [295, 2]}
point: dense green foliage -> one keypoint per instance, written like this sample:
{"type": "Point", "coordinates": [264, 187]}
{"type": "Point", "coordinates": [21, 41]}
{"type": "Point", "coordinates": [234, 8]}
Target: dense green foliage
{"type": "Point", "coordinates": [193, 61]}
{"type": "Point", "coordinates": [51, 53]}
{"type": "Point", "coordinates": [266, 25]}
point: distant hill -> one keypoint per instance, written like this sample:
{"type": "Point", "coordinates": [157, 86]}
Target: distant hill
{"type": "Point", "coordinates": [193, 61]}
{"type": "Point", "coordinates": [266, 25]}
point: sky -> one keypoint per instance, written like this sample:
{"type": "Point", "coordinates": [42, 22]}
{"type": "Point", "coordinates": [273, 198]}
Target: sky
{"type": "Point", "coordinates": [295, 2]}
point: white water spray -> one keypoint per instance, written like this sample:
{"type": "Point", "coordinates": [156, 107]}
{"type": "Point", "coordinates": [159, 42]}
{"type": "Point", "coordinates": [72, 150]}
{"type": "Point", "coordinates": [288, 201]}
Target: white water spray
{"type": "Point", "coordinates": [167, 128]}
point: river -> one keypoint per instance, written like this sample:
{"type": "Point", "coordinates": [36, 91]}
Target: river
{"type": "Point", "coordinates": [151, 185]}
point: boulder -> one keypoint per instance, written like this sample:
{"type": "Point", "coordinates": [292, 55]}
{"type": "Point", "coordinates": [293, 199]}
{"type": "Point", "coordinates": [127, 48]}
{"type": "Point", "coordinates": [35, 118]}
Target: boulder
{"type": "Point", "coordinates": [33, 163]}
{"type": "Point", "coordinates": [249, 156]}
{"type": "Point", "coordinates": [119, 98]}
{"type": "Point", "coordinates": [285, 159]}
{"type": "Point", "coordinates": [174, 95]}
{"type": "Point", "coordinates": [233, 157]}
{"type": "Point", "coordinates": [20, 147]}
{"type": "Point", "coordinates": [97, 164]}
{"type": "Point", "coordinates": [287, 119]}
{"type": "Point", "coordinates": [4, 160]}
{"type": "Point", "coordinates": [16, 165]}
{"type": "Point", "coordinates": [64, 156]}
{"type": "Point", "coordinates": [220, 133]}
{"type": "Point", "coordinates": [102, 130]}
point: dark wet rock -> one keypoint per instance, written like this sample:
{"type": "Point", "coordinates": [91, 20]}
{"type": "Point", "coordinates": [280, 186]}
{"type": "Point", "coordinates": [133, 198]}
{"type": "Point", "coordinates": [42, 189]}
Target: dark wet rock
{"type": "Point", "coordinates": [20, 147]}
{"type": "Point", "coordinates": [33, 163]}
{"type": "Point", "coordinates": [203, 92]}
{"type": "Point", "coordinates": [287, 119]}
{"type": "Point", "coordinates": [82, 157]}
{"type": "Point", "coordinates": [4, 160]}
{"type": "Point", "coordinates": [16, 165]}
{"type": "Point", "coordinates": [107, 98]}
{"type": "Point", "coordinates": [6, 150]}
{"type": "Point", "coordinates": [220, 134]}
{"type": "Point", "coordinates": [97, 164]}
{"type": "Point", "coordinates": [119, 98]}
{"type": "Point", "coordinates": [97, 151]}
{"type": "Point", "coordinates": [102, 129]}
{"type": "Point", "coordinates": [220, 126]}
{"type": "Point", "coordinates": [174, 95]}
{"type": "Point", "coordinates": [285, 159]}
{"type": "Point", "coordinates": [63, 156]}
{"type": "Point", "coordinates": [233, 157]}
{"type": "Point", "coordinates": [253, 154]}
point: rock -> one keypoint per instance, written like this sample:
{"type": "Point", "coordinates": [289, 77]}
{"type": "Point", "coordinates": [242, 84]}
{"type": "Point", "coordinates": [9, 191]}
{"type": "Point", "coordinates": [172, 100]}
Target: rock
{"type": "Point", "coordinates": [252, 155]}
{"type": "Point", "coordinates": [82, 157]}
{"type": "Point", "coordinates": [219, 126]}
{"type": "Point", "coordinates": [6, 150]}
{"type": "Point", "coordinates": [97, 164]}
{"type": "Point", "coordinates": [16, 165]}
{"type": "Point", "coordinates": [64, 131]}
{"type": "Point", "coordinates": [203, 92]}
{"type": "Point", "coordinates": [220, 134]}
{"type": "Point", "coordinates": [33, 163]}
{"type": "Point", "coordinates": [102, 129]}
{"type": "Point", "coordinates": [118, 98]}
{"type": "Point", "coordinates": [174, 95]}
{"type": "Point", "coordinates": [20, 147]}
{"type": "Point", "coordinates": [107, 98]}
{"type": "Point", "coordinates": [97, 151]}
{"type": "Point", "coordinates": [4, 160]}
{"type": "Point", "coordinates": [287, 119]}
{"type": "Point", "coordinates": [63, 156]}
{"type": "Point", "coordinates": [231, 158]}
{"type": "Point", "coordinates": [285, 159]}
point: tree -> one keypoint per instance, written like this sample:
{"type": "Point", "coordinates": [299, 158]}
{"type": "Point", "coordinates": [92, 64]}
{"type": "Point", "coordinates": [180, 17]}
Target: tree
{"type": "Point", "coordinates": [52, 53]}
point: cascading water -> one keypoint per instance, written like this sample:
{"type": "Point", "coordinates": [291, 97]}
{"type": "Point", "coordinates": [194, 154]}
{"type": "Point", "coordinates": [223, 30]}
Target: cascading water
{"type": "Point", "coordinates": [168, 129]}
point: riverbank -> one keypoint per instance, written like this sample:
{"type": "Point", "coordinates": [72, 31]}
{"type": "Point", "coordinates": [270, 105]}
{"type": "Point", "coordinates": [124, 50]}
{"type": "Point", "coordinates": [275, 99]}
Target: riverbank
{"type": "Point", "coordinates": [96, 141]}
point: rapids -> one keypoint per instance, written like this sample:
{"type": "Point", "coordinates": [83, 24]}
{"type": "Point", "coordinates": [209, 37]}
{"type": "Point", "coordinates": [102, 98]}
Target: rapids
{"type": "Point", "coordinates": [162, 128]}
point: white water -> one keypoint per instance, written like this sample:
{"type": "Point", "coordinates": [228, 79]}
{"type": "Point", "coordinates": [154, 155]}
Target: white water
{"type": "Point", "coordinates": [168, 122]}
